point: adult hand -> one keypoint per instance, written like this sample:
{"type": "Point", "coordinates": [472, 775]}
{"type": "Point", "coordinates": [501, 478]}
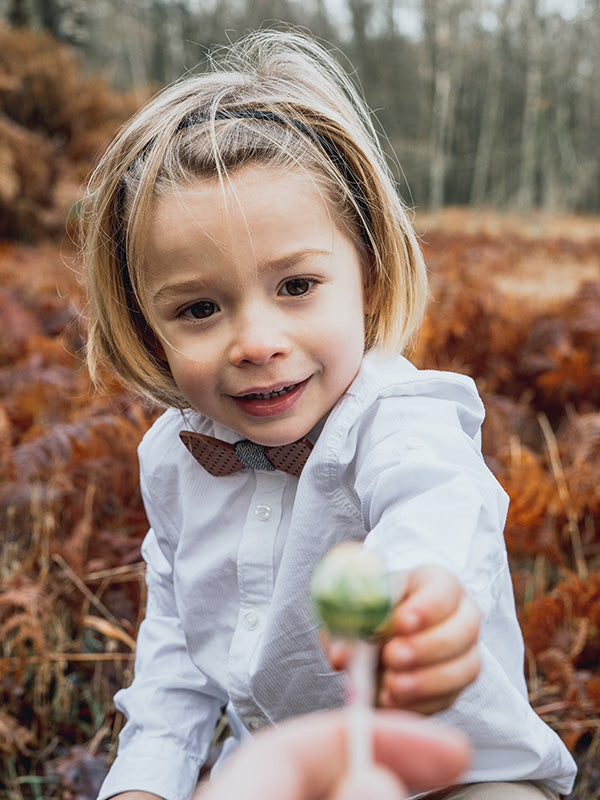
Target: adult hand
{"type": "Point", "coordinates": [307, 759]}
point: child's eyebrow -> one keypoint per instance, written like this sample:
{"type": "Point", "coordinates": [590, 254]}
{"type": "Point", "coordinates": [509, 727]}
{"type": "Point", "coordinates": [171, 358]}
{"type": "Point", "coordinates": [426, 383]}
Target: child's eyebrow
{"type": "Point", "coordinates": [170, 291]}
{"type": "Point", "coordinates": [291, 259]}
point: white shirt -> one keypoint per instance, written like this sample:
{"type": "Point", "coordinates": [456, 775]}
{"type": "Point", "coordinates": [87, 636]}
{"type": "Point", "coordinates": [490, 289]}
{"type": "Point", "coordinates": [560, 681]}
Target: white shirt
{"type": "Point", "coordinates": [398, 464]}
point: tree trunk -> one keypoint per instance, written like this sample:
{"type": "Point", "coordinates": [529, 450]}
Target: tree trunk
{"type": "Point", "coordinates": [441, 24]}
{"type": "Point", "coordinates": [50, 14]}
{"type": "Point", "coordinates": [437, 139]}
{"type": "Point", "coordinates": [490, 111]}
{"type": "Point", "coordinates": [18, 13]}
{"type": "Point", "coordinates": [526, 194]}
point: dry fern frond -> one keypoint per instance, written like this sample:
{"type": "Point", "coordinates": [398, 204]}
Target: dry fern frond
{"type": "Point", "coordinates": [567, 618]}
{"type": "Point", "coordinates": [13, 735]}
{"type": "Point", "coordinates": [578, 442]}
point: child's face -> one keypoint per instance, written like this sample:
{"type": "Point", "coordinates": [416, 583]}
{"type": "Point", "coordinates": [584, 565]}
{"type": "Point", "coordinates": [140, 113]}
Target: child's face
{"type": "Point", "coordinates": [257, 297]}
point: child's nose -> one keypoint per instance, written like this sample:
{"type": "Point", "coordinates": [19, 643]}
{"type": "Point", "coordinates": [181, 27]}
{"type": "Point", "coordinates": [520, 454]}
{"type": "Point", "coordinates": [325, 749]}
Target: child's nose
{"type": "Point", "coordinates": [258, 338]}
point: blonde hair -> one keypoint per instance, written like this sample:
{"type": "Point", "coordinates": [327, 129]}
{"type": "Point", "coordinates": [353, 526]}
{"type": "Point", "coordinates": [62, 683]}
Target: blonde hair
{"type": "Point", "coordinates": [272, 98]}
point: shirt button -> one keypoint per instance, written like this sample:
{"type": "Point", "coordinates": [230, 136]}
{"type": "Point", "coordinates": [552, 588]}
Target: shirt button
{"type": "Point", "coordinates": [254, 723]}
{"type": "Point", "coordinates": [263, 512]}
{"type": "Point", "coordinates": [250, 620]}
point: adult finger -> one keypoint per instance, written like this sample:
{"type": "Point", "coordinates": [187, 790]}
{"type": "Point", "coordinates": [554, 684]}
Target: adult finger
{"type": "Point", "coordinates": [373, 782]}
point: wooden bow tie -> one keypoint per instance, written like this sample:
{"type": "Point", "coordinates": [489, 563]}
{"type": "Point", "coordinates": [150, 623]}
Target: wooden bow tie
{"type": "Point", "coordinates": [221, 458]}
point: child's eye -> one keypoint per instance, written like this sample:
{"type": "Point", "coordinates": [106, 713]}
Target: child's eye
{"type": "Point", "coordinates": [200, 310]}
{"type": "Point", "coordinates": [297, 286]}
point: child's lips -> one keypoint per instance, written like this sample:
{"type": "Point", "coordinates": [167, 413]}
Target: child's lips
{"type": "Point", "coordinates": [271, 402]}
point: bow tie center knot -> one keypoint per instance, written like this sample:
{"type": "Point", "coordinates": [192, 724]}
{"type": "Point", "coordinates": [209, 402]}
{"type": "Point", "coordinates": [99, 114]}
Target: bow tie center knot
{"type": "Point", "coordinates": [252, 455]}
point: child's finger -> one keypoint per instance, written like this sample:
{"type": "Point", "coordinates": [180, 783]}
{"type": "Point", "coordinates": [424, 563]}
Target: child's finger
{"type": "Point", "coordinates": [338, 651]}
{"type": "Point", "coordinates": [430, 688]}
{"type": "Point", "coordinates": [447, 640]}
{"type": "Point", "coordinates": [424, 707]}
{"type": "Point", "coordinates": [432, 594]}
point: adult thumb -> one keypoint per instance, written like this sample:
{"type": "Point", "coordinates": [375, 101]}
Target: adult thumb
{"type": "Point", "coordinates": [374, 781]}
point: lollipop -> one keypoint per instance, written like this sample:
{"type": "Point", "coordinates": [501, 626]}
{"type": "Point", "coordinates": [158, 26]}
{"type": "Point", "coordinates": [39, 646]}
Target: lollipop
{"type": "Point", "coordinates": [352, 591]}
{"type": "Point", "coordinates": [353, 595]}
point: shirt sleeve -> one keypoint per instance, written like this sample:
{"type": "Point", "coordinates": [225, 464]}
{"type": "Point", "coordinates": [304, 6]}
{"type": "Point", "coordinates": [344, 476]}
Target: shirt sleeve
{"type": "Point", "coordinates": [171, 708]}
{"type": "Point", "coordinates": [424, 490]}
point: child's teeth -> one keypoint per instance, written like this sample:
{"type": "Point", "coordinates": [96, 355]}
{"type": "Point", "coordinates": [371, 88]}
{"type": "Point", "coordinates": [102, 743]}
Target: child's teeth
{"type": "Point", "coordinates": [270, 395]}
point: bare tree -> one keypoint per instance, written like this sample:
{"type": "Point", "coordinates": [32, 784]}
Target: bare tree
{"type": "Point", "coordinates": [18, 13]}
{"type": "Point", "coordinates": [532, 101]}
{"type": "Point", "coordinates": [492, 100]}
{"type": "Point", "coordinates": [442, 37]}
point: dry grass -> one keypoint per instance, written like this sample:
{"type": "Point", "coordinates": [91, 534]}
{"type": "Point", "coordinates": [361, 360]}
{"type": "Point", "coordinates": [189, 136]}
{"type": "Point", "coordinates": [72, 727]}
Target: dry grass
{"type": "Point", "coordinates": [549, 259]}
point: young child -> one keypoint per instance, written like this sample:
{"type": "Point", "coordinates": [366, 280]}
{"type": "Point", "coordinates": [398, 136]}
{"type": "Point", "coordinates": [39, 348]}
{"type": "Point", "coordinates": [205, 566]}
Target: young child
{"type": "Point", "coordinates": [250, 266]}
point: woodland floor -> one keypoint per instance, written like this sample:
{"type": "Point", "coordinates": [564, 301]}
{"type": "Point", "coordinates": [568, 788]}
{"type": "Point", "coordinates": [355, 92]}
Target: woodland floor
{"type": "Point", "coordinates": [515, 303]}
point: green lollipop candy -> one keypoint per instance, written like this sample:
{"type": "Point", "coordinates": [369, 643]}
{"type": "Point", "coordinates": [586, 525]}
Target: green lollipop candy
{"type": "Point", "coordinates": [352, 591]}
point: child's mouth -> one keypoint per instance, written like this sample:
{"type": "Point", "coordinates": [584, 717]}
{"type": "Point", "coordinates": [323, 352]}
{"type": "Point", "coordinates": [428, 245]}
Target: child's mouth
{"type": "Point", "coordinates": [271, 403]}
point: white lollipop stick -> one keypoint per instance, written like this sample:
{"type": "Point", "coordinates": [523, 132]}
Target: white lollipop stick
{"type": "Point", "coordinates": [362, 678]}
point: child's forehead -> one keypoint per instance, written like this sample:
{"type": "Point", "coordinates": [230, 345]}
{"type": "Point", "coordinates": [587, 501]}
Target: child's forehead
{"type": "Point", "coordinates": [268, 211]}
{"type": "Point", "coordinates": [254, 193]}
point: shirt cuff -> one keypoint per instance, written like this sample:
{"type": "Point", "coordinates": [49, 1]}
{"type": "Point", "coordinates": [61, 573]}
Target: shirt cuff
{"type": "Point", "coordinates": [163, 768]}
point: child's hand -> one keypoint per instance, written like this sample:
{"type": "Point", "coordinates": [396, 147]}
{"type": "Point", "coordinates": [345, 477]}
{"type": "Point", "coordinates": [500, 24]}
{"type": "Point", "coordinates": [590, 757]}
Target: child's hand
{"type": "Point", "coordinates": [431, 654]}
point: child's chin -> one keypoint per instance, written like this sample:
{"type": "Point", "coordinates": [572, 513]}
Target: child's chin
{"type": "Point", "coordinates": [279, 438]}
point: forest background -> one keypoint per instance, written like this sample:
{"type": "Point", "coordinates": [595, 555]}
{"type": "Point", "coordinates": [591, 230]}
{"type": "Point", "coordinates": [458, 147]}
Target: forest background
{"type": "Point", "coordinates": [491, 114]}
{"type": "Point", "coordinates": [483, 101]}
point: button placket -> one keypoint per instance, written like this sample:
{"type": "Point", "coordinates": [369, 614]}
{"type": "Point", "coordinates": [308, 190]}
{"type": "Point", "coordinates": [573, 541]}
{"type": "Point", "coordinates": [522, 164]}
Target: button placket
{"type": "Point", "coordinates": [255, 581]}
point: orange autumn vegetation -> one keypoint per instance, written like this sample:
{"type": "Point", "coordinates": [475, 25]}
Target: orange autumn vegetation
{"type": "Point", "coordinates": [54, 119]}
